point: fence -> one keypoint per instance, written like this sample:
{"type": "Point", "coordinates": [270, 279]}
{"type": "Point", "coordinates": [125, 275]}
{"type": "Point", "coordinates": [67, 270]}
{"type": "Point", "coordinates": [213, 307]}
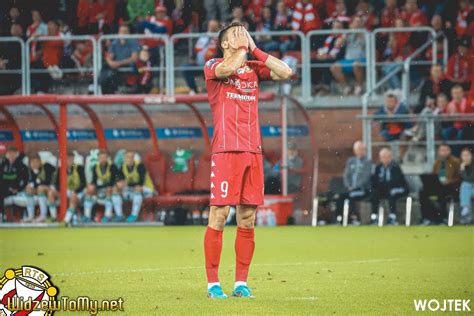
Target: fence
{"type": "Point", "coordinates": [166, 55]}
{"type": "Point", "coordinates": [431, 132]}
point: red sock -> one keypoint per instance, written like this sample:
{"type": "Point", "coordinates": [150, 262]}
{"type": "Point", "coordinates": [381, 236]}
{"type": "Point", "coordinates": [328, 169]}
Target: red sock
{"type": "Point", "coordinates": [244, 246]}
{"type": "Point", "coordinates": [212, 252]}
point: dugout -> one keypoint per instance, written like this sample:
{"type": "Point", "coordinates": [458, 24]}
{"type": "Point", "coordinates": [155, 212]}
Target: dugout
{"type": "Point", "coordinates": [156, 126]}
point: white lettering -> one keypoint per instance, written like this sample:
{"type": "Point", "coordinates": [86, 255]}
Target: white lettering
{"type": "Point", "coordinates": [240, 97]}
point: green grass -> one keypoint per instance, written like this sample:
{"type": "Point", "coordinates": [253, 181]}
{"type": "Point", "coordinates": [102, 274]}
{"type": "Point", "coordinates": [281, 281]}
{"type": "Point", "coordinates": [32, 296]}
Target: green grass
{"type": "Point", "coordinates": [296, 270]}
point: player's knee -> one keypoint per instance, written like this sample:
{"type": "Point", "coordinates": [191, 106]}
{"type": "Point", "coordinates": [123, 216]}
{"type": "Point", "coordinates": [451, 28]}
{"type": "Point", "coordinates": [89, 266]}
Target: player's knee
{"type": "Point", "coordinates": [246, 218]}
{"type": "Point", "coordinates": [218, 217]}
{"type": "Point", "coordinates": [90, 189]}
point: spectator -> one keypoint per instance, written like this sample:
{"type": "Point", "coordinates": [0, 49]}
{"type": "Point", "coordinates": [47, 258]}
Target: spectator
{"type": "Point", "coordinates": [395, 53]}
{"type": "Point", "coordinates": [432, 107]}
{"type": "Point", "coordinates": [13, 176]}
{"type": "Point", "coordinates": [103, 16]}
{"type": "Point", "coordinates": [389, 14]}
{"type": "Point", "coordinates": [365, 12]}
{"type": "Point", "coordinates": [357, 176]}
{"type": "Point", "coordinates": [413, 15]}
{"type": "Point", "coordinates": [122, 53]}
{"type": "Point", "coordinates": [392, 130]}
{"type": "Point", "coordinates": [433, 86]}
{"type": "Point", "coordinates": [10, 59]}
{"type": "Point", "coordinates": [353, 60]}
{"type": "Point", "coordinates": [38, 27]}
{"type": "Point", "coordinates": [84, 18]}
{"type": "Point", "coordinates": [139, 9]}
{"type": "Point", "coordinates": [76, 182]}
{"type": "Point", "coordinates": [329, 53]}
{"type": "Point", "coordinates": [388, 182]}
{"type": "Point", "coordinates": [295, 168]}
{"type": "Point", "coordinates": [458, 105]}
{"type": "Point", "coordinates": [458, 70]}
{"type": "Point", "coordinates": [41, 177]}
{"type": "Point", "coordinates": [464, 16]}
{"type": "Point", "coordinates": [135, 184]}
{"type": "Point", "coordinates": [305, 17]}
{"type": "Point", "coordinates": [447, 169]}
{"type": "Point", "coordinates": [282, 22]}
{"type": "Point", "coordinates": [212, 6]}
{"type": "Point", "coordinates": [205, 49]}
{"type": "Point", "coordinates": [442, 31]}
{"type": "Point", "coordinates": [255, 10]}
{"type": "Point", "coordinates": [339, 13]}
{"type": "Point", "coordinates": [144, 77]}
{"type": "Point", "coordinates": [466, 191]}
{"type": "Point", "coordinates": [239, 17]}
{"type": "Point", "coordinates": [13, 17]}
{"type": "Point", "coordinates": [104, 178]}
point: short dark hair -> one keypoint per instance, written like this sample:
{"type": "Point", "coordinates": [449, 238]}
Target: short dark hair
{"type": "Point", "coordinates": [223, 32]}
{"type": "Point", "coordinates": [444, 145]}
{"type": "Point", "coordinates": [12, 148]}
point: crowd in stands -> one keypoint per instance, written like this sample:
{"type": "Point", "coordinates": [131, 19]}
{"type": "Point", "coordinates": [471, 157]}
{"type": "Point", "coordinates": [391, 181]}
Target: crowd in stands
{"type": "Point", "coordinates": [451, 180]}
{"type": "Point", "coordinates": [451, 19]}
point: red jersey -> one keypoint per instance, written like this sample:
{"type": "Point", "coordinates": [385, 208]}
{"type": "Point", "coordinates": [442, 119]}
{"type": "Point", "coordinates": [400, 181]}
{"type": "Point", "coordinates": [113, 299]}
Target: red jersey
{"type": "Point", "coordinates": [234, 105]}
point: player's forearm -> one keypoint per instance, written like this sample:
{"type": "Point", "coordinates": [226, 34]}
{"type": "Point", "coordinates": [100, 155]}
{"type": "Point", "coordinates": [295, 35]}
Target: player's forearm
{"type": "Point", "coordinates": [279, 69]}
{"type": "Point", "coordinates": [231, 64]}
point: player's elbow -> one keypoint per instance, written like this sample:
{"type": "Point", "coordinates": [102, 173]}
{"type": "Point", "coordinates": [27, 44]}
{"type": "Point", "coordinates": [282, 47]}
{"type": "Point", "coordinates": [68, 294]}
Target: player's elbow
{"type": "Point", "coordinates": [224, 71]}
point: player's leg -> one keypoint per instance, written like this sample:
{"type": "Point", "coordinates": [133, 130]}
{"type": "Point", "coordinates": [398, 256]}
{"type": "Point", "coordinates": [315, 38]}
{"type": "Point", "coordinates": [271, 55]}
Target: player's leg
{"type": "Point", "coordinates": [108, 206]}
{"type": "Point", "coordinates": [252, 196]}
{"type": "Point", "coordinates": [213, 248]}
{"type": "Point", "coordinates": [52, 202]}
{"type": "Point", "coordinates": [244, 248]}
{"type": "Point", "coordinates": [42, 192]}
{"type": "Point", "coordinates": [30, 193]}
{"type": "Point", "coordinates": [89, 202]}
{"type": "Point", "coordinates": [73, 202]}
{"type": "Point", "coordinates": [117, 200]}
{"type": "Point", "coordinates": [137, 201]}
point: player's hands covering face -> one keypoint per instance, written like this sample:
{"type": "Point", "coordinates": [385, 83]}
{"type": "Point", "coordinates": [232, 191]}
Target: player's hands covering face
{"type": "Point", "coordinates": [239, 38]}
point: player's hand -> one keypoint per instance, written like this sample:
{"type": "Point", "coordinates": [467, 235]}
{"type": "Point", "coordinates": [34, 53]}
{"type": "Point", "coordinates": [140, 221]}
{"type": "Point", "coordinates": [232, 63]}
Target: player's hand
{"type": "Point", "coordinates": [252, 45]}
{"type": "Point", "coordinates": [240, 38]}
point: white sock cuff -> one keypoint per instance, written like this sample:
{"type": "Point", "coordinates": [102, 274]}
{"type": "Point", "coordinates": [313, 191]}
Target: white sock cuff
{"type": "Point", "coordinates": [209, 285]}
{"type": "Point", "coordinates": [239, 283]}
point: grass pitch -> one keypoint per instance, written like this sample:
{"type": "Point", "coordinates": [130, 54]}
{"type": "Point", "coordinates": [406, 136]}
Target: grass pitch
{"type": "Point", "coordinates": [296, 270]}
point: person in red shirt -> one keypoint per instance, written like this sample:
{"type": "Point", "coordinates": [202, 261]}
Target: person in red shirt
{"type": "Point", "coordinates": [52, 50]}
{"type": "Point", "coordinates": [84, 18]}
{"type": "Point", "coordinates": [413, 15]}
{"type": "Point", "coordinates": [458, 105]}
{"type": "Point", "coordinates": [103, 16]}
{"type": "Point", "coordinates": [458, 70]}
{"type": "Point", "coordinates": [236, 165]}
{"type": "Point", "coordinates": [462, 20]}
{"type": "Point", "coordinates": [389, 14]}
{"type": "Point", "coordinates": [305, 17]}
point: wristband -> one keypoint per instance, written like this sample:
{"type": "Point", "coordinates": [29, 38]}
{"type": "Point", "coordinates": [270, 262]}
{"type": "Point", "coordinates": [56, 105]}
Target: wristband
{"type": "Point", "coordinates": [244, 48]}
{"type": "Point", "coordinates": [259, 54]}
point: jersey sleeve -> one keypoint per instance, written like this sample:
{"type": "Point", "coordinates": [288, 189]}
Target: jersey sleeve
{"type": "Point", "coordinates": [210, 68]}
{"type": "Point", "coordinates": [263, 72]}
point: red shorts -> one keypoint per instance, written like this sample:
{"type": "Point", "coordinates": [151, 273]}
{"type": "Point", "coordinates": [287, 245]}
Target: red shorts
{"type": "Point", "coordinates": [236, 179]}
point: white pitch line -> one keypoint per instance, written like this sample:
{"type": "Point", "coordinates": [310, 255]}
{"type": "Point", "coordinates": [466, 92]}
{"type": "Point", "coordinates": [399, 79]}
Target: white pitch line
{"type": "Point", "coordinates": [156, 269]}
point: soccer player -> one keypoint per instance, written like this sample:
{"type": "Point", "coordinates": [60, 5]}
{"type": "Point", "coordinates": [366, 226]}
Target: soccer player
{"type": "Point", "coordinates": [104, 177]}
{"type": "Point", "coordinates": [135, 183]}
{"type": "Point", "coordinates": [236, 166]}
{"type": "Point", "coordinates": [76, 182]}
{"type": "Point", "coordinates": [40, 179]}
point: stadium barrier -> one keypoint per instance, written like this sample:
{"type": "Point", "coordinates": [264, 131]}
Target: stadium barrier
{"type": "Point", "coordinates": [166, 66]}
{"type": "Point", "coordinates": [427, 122]}
{"type": "Point", "coordinates": [284, 120]}
{"type": "Point", "coordinates": [20, 71]}
{"type": "Point", "coordinates": [68, 44]}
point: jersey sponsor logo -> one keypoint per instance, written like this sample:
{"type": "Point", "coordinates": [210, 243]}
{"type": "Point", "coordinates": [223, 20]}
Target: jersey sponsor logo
{"type": "Point", "coordinates": [211, 63]}
{"type": "Point", "coordinates": [244, 86]}
{"type": "Point", "coordinates": [241, 97]}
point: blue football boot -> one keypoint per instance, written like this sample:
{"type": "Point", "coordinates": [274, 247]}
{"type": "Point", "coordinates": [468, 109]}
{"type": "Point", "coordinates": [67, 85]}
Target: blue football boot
{"type": "Point", "coordinates": [242, 291]}
{"type": "Point", "coordinates": [216, 292]}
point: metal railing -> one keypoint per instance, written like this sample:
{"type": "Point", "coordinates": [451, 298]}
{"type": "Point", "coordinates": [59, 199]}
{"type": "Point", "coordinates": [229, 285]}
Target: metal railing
{"type": "Point", "coordinates": [368, 55]}
{"type": "Point", "coordinates": [65, 39]}
{"type": "Point", "coordinates": [167, 67]}
{"type": "Point", "coordinates": [426, 121]}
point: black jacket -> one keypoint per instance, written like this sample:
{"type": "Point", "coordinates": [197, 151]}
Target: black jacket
{"type": "Point", "coordinates": [14, 175]}
{"type": "Point", "coordinates": [389, 178]}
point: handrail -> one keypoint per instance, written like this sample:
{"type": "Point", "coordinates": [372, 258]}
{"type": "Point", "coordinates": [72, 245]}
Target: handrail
{"type": "Point", "coordinates": [369, 56]}
{"type": "Point", "coordinates": [23, 61]}
{"type": "Point", "coordinates": [63, 39]}
{"type": "Point", "coordinates": [305, 57]}
{"type": "Point", "coordinates": [164, 38]}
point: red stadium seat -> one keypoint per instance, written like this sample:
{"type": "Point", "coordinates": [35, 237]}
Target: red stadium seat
{"type": "Point", "coordinates": [179, 182]}
{"type": "Point", "coordinates": [156, 167]}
